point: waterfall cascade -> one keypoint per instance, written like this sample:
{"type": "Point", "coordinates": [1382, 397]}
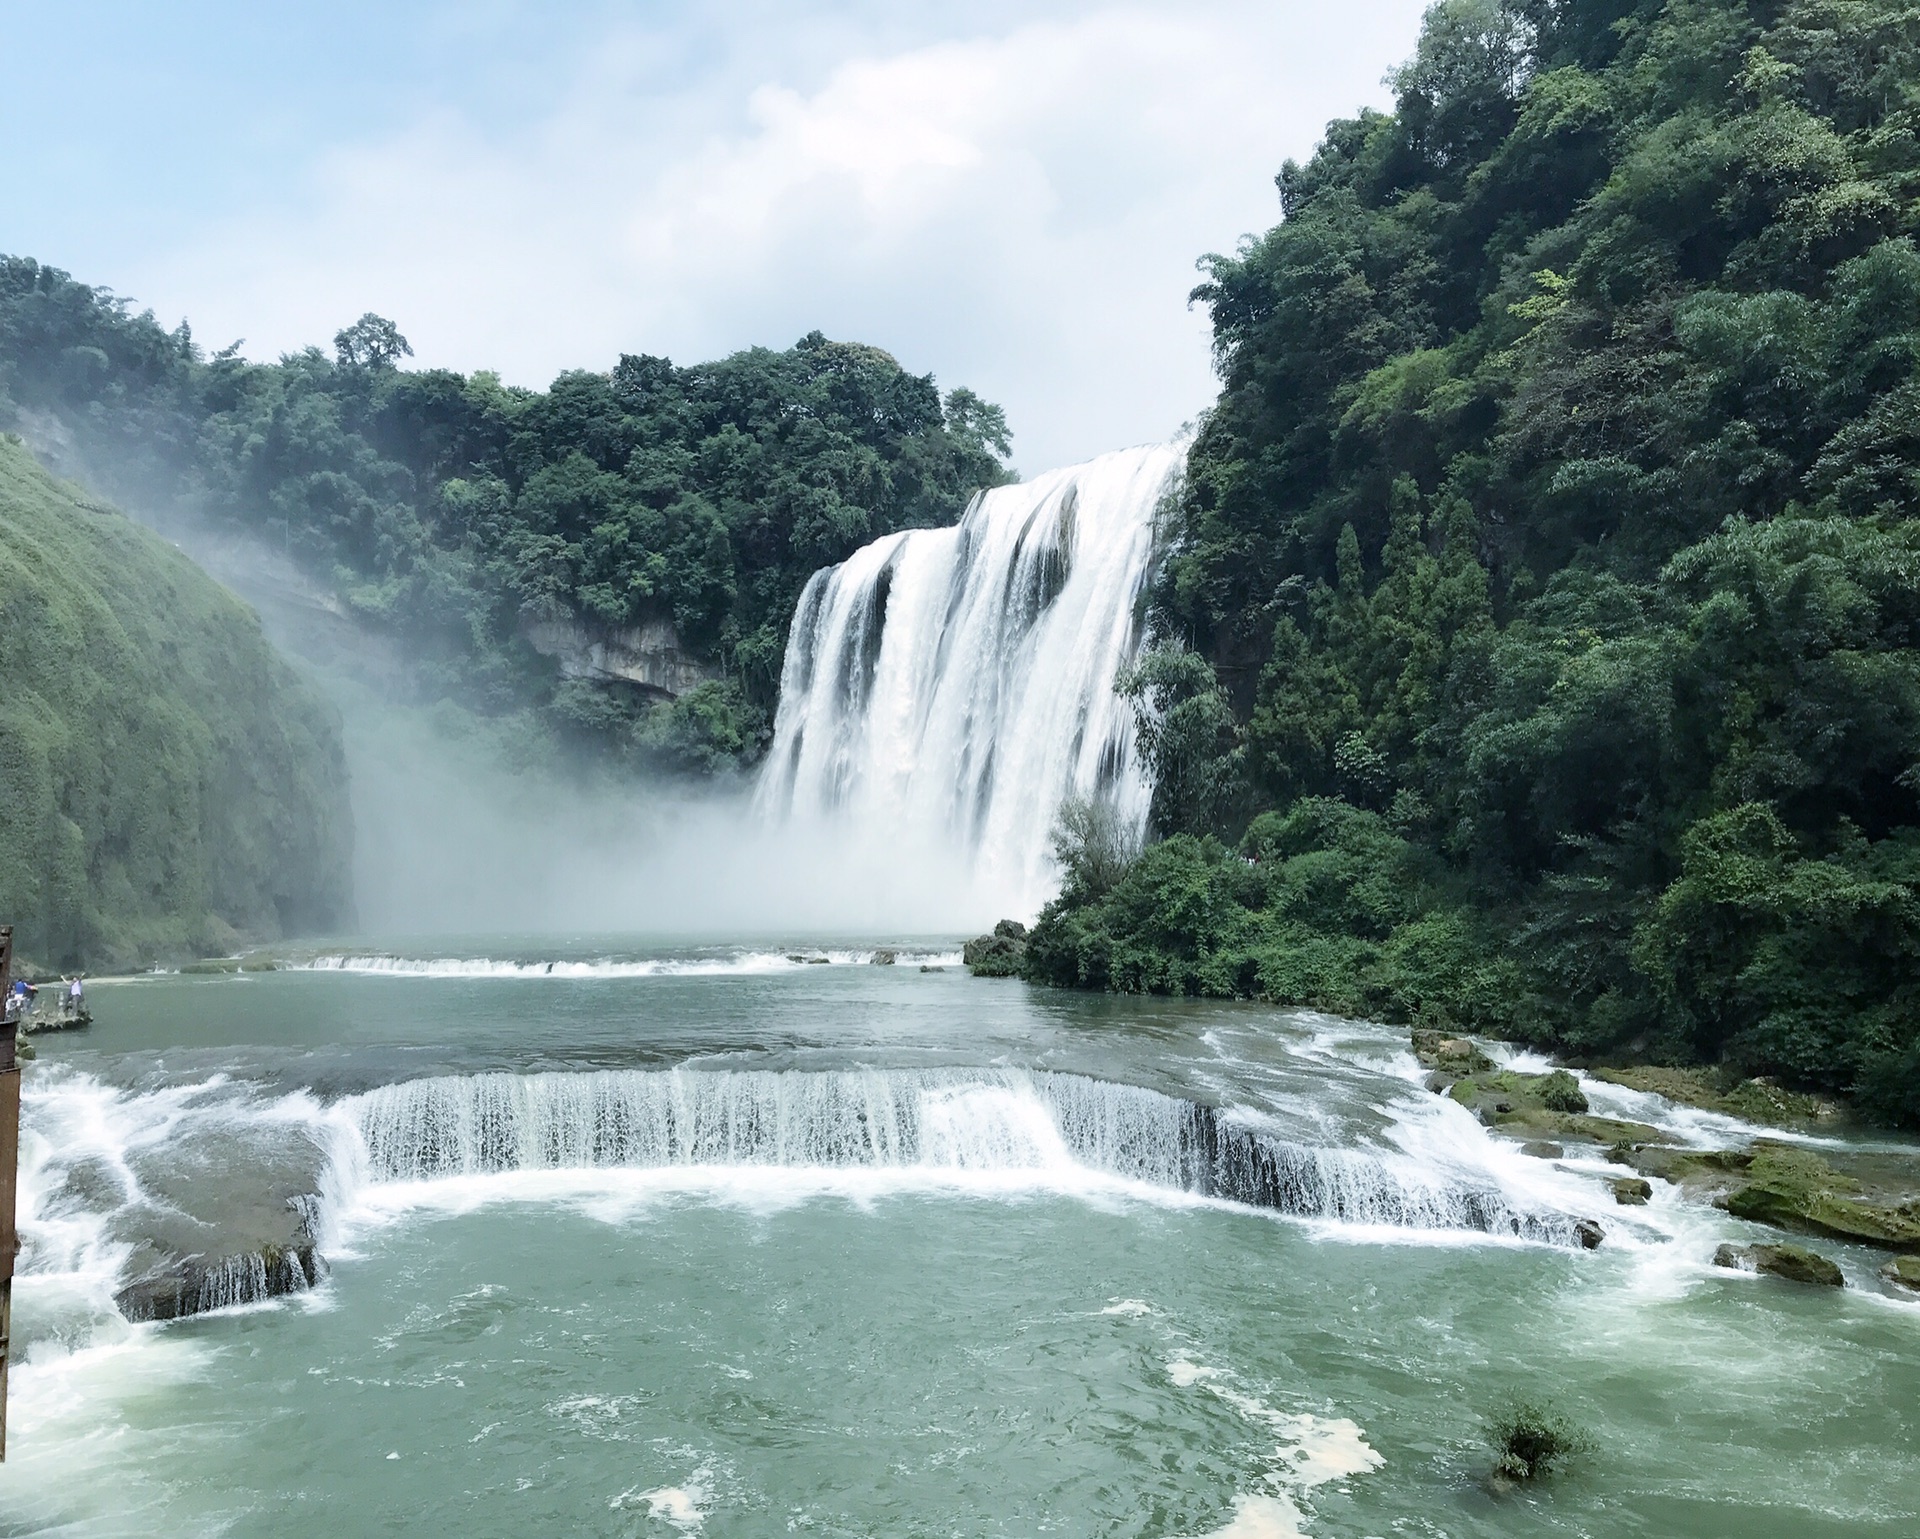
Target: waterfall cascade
{"type": "Point", "coordinates": [930, 1121]}
{"type": "Point", "coordinates": [956, 685]}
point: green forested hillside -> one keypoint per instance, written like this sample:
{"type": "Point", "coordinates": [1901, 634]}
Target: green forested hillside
{"type": "Point", "coordinates": [455, 513]}
{"type": "Point", "coordinates": [1545, 600]}
{"type": "Point", "coordinates": [167, 784]}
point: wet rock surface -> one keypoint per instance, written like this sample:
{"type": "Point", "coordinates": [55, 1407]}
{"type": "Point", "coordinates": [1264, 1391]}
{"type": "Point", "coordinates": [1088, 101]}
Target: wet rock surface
{"type": "Point", "coordinates": [1903, 1272]}
{"type": "Point", "coordinates": [1793, 1263]}
{"type": "Point", "coordinates": [1751, 1100]}
{"type": "Point", "coordinates": [216, 1216]}
{"type": "Point", "coordinates": [1540, 1108]}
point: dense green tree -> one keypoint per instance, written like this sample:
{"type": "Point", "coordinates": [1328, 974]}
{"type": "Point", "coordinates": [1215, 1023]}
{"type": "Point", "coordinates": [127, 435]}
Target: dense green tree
{"type": "Point", "coordinates": [167, 783]}
{"type": "Point", "coordinates": [457, 513]}
{"type": "Point", "coordinates": [1559, 515]}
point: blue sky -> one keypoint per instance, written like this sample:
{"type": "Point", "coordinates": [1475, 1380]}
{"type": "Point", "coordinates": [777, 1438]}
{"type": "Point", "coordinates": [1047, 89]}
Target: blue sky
{"type": "Point", "coordinates": [1010, 196]}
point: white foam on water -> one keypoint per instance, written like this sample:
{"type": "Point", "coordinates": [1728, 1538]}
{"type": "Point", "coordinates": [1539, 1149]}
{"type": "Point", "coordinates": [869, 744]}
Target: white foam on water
{"type": "Point", "coordinates": [747, 963]}
{"type": "Point", "coordinates": [1261, 1516]}
{"type": "Point", "coordinates": [1311, 1451]}
{"type": "Point", "coordinates": [1326, 1448]}
{"type": "Point", "coordinates": [1131, 1308]}
{"type": "Point", "coordinates": [617, 1197]}
{"type": "Point", "coordinates": [679, 1505]}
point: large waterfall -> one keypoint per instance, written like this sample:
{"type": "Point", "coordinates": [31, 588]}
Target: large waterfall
{"type": "Point", "coordinates": [956, 685]}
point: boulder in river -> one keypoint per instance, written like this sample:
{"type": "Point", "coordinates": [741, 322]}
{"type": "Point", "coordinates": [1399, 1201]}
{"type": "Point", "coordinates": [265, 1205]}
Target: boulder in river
{"type": "Point", "coordinates": [1794, 1263]}
{"type": "Point", "coordinates": [1455, 1056]}
{"type": "Point", "coordinates": [1631, 1191]}
{"type": "Point", "coordinates": [1797, 1264]}
{"type": "Point", "coordinates": [1540, 1149]}
{"type": "Point", "coordinates": [883, 958]}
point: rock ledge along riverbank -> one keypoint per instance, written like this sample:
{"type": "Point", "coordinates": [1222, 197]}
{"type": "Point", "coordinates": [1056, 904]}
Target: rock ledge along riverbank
{"type": "Point", "coordinates": [1867, 1195]}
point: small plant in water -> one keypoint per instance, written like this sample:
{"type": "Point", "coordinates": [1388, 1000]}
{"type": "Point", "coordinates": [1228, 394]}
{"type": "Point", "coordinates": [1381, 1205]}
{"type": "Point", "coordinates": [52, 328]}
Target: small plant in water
{"type": "Point", "coordinates": [1531, 1440]}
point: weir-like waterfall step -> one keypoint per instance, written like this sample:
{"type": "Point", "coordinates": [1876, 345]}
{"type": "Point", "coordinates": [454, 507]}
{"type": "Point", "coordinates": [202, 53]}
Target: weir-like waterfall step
{"type": "Point", "coordinates": [931, 1121]}
{"type": "Point", "coordinates": [225, 1197]}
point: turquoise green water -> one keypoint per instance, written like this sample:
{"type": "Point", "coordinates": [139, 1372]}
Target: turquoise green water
{"type": "Point", "coordinates": [1007, 1343]}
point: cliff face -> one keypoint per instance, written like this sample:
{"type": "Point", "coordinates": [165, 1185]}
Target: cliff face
{"type": "Point", "coordinates": [167, 782]}
{"type": "Point", "coordinates": [648, 655]}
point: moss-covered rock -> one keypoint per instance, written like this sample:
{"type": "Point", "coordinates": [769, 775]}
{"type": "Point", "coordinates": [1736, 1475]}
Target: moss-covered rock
{"type": "Point", "coordinates": [170, 785]}
{"type": "Point", "coordinates": [1903, 1272]}
{"type": "Point", "coordinates": [1450, 1055]}
{"type": "Point", "coordinates": [1796, 1189]}
{"type": "Point", "coordinates": [1721, 1090]}
{"type": "Point", "coordinates": [1797, 1264]}
{"type": "Point", "coordinates": [1631, 1191]}
{"type": "Point", "coordinates": [1561, 1092]}
{"type": "Point", "coordinates": [1791, 1262]}
{"type": "Point", "coordinates": [1713, 1169]}
{"type": "Point", "coordinates": [1517, 1104]}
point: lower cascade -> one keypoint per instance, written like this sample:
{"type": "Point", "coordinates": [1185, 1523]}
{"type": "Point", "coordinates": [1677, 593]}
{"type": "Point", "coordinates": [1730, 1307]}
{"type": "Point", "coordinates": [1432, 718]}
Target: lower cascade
{"type": "Point", "coordinates": [957, 685]}
{"type": "Point", "coordinates": [932, 1121]}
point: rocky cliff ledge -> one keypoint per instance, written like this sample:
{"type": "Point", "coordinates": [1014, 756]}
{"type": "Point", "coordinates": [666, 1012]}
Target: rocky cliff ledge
{"type": "Point", "coordinates": [648, 655]}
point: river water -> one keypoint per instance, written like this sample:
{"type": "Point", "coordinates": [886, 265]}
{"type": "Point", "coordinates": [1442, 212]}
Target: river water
{"type": "Point", "coordinates": [629, 1238]}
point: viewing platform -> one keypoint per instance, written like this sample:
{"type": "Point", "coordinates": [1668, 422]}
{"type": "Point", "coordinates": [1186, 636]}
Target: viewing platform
{"type": "Point", "coordinates": [52, 1009]}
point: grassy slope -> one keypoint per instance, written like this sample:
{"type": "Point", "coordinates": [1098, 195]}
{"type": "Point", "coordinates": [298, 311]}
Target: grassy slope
{"type": "Point", "coordinates": [166, 780]}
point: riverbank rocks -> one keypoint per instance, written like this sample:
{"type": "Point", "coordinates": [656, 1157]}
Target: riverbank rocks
{"type": "Point", "coordinates": [1791, 1262]}
{"type": "Point", "coordinates": [1719, 1090]}
{"type": "Point", "coordinates": [1796, 1189]}
{"type": "Point", "coordinates": [998, 955]}
{"type": "Point", "coordinates": [1631, 1191]}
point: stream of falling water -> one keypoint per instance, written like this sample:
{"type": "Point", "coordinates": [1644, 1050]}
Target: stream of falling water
{"type": "Point", "coordinates": [958, 684]}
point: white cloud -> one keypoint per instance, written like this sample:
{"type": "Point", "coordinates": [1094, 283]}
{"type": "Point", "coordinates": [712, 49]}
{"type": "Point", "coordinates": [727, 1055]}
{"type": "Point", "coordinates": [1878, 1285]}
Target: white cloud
{"type": "Point", "coordinates": [1019, 211]}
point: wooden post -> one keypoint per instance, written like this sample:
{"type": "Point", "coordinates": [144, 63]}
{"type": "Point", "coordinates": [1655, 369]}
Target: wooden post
{"type": "Point", "coordinates": [9, 1164]}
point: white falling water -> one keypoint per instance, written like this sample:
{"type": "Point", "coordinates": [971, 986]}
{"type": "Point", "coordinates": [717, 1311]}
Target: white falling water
{"type": "Point", "coordinates": [929, 1121]}
{"type": "Point", "coordinates": [955, 686]}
